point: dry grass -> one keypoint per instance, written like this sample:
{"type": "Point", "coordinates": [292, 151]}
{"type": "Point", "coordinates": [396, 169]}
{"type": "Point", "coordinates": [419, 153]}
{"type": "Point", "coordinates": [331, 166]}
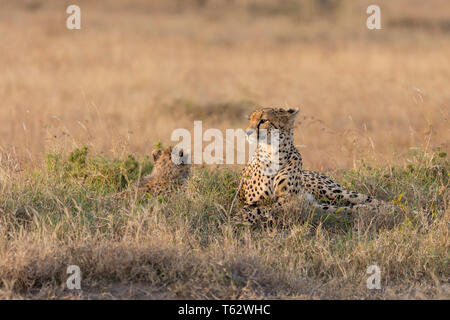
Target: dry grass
{"type": "Point", "coordinates": [373, 93]}
{"type": "Point", "coordinates": [188, 248]}
{"type": "Point", "coordinates": [137, 71]}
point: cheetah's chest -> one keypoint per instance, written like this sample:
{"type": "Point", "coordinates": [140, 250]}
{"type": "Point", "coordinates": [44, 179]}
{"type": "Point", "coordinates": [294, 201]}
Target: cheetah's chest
{"type": "Point", "coordinates": [256, 186]}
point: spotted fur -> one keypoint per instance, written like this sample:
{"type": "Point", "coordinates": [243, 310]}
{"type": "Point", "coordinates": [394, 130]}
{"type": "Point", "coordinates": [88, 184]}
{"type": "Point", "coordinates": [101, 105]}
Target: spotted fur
{"type": "Point", "coordinates": [266, 189]}
{"type": "Point", "coordinates": [170, 173]}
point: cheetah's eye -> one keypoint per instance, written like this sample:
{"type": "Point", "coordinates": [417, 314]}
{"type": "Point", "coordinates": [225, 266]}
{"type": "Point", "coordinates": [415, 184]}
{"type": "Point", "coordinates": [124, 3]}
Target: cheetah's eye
{"type": "Point", "coordinates": [263, 121]}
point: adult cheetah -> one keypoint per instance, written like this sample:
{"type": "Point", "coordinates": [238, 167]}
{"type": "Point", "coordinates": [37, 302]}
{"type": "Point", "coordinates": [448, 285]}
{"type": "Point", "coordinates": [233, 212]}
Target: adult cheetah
{"type": "Point", "coordinates": [266, 189]}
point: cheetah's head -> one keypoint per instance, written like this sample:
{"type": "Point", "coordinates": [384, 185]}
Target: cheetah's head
{"type": "Point", "coordinates": [264, 121]}
{"type": "Point", "coordinates": [172, 161]}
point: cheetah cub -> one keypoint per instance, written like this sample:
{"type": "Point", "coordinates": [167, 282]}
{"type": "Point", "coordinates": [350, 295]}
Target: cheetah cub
{"type": "Point", "coordinates": [170, 172]}
{"type": "Point", "coordinates": [266, 190]}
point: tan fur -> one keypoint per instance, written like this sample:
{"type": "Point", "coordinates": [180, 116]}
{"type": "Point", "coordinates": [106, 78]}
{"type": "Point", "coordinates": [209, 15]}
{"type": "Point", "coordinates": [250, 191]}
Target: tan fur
{"type": "Point", "coordinates": [263, 192]}
{"type": "Point", "coordinates": [167, 176]}
{"type": "Point", "coordinates": [169, 173]}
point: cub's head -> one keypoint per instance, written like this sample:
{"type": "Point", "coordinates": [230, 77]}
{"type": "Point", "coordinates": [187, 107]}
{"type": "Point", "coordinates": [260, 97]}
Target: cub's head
{"type": "Point", "coordinates": [171, 162]}
{"type": "Point", "coordinates": [264, 121]}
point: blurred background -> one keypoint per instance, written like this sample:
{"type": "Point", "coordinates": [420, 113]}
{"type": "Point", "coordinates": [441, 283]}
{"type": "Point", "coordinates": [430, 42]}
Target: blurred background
{"type": "Point", "coordinates": [139, 69]}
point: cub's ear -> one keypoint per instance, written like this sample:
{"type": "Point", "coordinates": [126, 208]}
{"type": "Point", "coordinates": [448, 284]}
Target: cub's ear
{"type": "Point", "coordinates": [156, 154]}
{"type": "Point", "coordinates": [293, 112]}
{"type": "Point", "coordinates": [177, 155]}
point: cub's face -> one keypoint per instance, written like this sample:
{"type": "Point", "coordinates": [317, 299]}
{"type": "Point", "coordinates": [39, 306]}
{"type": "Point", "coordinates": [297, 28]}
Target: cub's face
{"type": "Point", "coordinates": [264, 121]}
{"type": "Point", "coordinates": [171, 162]}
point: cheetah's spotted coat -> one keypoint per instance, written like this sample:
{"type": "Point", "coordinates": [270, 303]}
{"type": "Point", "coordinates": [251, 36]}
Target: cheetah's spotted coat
{"type": "Point", "coordinates": [169, 174]}
{"type": "Point", "coordinates": [265, 190]}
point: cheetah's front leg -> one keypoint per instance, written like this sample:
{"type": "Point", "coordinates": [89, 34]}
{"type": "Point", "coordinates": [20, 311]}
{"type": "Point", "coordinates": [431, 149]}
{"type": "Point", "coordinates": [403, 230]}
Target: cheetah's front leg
{"type": "Point", "coordinates": [255, 215]}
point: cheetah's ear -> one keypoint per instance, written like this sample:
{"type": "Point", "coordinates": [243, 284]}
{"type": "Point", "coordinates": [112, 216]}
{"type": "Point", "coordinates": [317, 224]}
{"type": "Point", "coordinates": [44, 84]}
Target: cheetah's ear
{"type": "Point", "coordinates": [156, 154]}
{"type": "Point", "coordinates": [293, 112]}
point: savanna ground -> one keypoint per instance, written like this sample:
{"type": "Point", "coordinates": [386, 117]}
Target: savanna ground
{"type": "Point", "coordinates": [374, 115]}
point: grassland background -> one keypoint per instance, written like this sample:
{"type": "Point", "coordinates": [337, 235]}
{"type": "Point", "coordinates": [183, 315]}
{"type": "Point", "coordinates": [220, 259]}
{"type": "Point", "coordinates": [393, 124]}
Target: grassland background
{"type": "Point", "coordinates": [137, 70]}
{"type": "Point", "coordinates": [134, 70]}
